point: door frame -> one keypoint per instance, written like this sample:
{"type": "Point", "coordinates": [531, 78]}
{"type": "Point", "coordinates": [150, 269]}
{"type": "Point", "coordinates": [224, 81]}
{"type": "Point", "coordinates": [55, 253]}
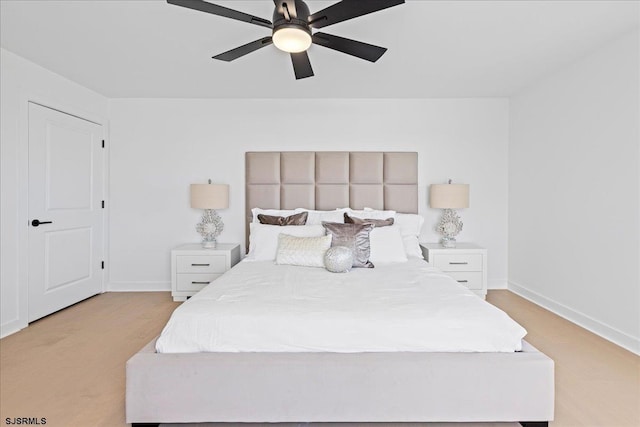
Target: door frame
{"type": "Point", "coordinates": [26, 98]}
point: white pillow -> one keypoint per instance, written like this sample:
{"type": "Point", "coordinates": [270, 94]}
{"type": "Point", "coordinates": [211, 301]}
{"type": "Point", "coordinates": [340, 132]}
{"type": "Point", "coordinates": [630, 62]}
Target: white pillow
{"type": "Point", "coordinates": [386, 245]}
{"type": "Point", "coordinates": [412, 247]}
{"type": "Point", "coordinates": [410, 228]}
{"type": "Point", "coordinates": [316, 217]}
{"type": "Point", "coordinates": [263, 238]}
{"type": "Point", "coordinates": [410, 224]}
{"type": "Point", "coordinates": [274, 212]}
{"type": "Point", "coordinates": [302, 251]}
{"type": "Point", "coordinates": [372, 214]}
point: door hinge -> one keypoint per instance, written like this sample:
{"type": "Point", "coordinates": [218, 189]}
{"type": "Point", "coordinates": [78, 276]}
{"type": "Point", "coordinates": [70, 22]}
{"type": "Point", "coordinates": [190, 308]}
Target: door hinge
{"type": "Point", "coordinates": [103, 204]}
{"type": "Point", "coordinates": [103, 265]}
{"type": "Point", "coordinates": [103, 143]}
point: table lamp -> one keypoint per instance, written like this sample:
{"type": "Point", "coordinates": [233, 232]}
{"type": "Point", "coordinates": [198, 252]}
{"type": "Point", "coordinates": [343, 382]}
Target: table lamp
{"type": "Point", "coordinates": [210, 197]}
{"type": "Point", "coordinates": [449, 197]}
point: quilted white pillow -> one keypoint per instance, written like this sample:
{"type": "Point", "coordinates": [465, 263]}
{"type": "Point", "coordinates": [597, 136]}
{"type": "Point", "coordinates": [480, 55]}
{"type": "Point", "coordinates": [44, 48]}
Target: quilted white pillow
{"type": "Point", "coordinates": [302, 251]}
{"type": "Point", "coordinates": [386, 245]}
{"type": "Point", "coordinates": [263, 238]}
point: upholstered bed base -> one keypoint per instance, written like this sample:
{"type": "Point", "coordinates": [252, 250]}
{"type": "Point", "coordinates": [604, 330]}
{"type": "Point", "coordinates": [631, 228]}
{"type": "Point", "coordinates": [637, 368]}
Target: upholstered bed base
{"type": "Point", "coordinates": [339, 387]}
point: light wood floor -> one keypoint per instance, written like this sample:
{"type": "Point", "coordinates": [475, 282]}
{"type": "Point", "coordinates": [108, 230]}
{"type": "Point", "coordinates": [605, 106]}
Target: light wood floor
{"type": "Point", "coordinates": [69, 367]}
{"type": "Point", "coordinates": [597, 382]}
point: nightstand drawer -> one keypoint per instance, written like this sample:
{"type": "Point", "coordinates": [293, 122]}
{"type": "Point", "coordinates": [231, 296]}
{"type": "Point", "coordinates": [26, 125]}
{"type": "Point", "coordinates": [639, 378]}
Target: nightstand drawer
{"type": "Point", "coordinates": [466, 263]}
{"type": "Point", "coordinates": [201, 263]}
{"type": "Point", "coordinates": [458, 262]}
{"type": "Point", "coordinates": [194, 282]}
{"type": "Point", "coordinates": [472, 280]}
{"type": "Point", "coordinates": [193, 267]}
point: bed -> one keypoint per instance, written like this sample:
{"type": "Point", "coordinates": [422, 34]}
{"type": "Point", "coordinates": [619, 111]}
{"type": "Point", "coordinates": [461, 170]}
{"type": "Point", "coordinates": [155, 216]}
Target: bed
{"type": "Point", "coordinates": [277, 380]}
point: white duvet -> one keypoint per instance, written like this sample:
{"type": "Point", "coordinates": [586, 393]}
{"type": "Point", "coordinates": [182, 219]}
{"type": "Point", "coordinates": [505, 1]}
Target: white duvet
{"type": "Point", "coordinates": [263, 307]}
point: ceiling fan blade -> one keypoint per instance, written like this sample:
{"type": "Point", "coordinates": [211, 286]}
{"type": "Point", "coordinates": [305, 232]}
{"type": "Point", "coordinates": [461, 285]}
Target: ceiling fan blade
{"type": "Point", "coordinates": [244, 49]}
{"type": "Point", "coordinates": [301, 65]}
{"type": "Point", "coordinates": [291, 7]}
{"type": "Point", "coordinates": [214, 9]}
{"type": "Point", "coordinates": [348, 9]}
{"type": "Point", "coordinates": [350, 47]}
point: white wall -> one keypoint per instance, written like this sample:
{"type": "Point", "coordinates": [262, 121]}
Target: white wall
{"type": "Point", "coordinates": [574, 186]}
{"type": "Point", "coordinates": [159, 147]}
{"type": "Point", "coordinates": [22, 81]}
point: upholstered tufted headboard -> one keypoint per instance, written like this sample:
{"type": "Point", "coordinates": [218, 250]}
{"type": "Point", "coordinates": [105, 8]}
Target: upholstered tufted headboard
{"type": "Point", "coordinates": [326, 180]}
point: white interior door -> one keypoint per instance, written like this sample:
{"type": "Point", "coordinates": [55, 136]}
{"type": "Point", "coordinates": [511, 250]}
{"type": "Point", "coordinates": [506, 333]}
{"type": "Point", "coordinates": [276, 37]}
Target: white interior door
{"type": "Point", "coordinates": [65, 210]}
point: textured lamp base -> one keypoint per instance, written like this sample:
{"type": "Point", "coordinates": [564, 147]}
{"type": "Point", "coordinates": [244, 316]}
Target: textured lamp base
{"type": "Point", "coordinates": [210, 227]}
{"type": "Point", "coordinates": [209, 244]}
{"type": "Point", "coordinates": [448, 242]}
{"type": "Point", "coordinates": [449, 226]}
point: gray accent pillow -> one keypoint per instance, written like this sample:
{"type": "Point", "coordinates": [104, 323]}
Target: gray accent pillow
{"type": "Point", "coordinates": [376, 222]}
{"type": "Point", "coordinates": [354, 237]}
{"type": "Point", "coordinates": [297, 219]}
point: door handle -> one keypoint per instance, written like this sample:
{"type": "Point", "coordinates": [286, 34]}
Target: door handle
{"type": "Point", "coordinates": [37, 222]}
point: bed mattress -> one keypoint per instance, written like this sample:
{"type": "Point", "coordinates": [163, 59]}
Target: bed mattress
{"type": "Point", "coordinates": [263, 307]}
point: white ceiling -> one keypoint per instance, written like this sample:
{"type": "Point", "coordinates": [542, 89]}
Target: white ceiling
{"type": "Point", "coordinates": [150, 49]}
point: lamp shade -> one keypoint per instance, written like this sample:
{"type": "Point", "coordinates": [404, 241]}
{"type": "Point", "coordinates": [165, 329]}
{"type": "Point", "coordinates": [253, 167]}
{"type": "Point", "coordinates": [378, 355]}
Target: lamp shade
{"type": "Point", "coordinates": [449, 196]}
{"type": "Point", "coordinates": [209, 196]}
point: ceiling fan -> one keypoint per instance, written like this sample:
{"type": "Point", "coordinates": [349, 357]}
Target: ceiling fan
{"type": "Point", "coordinates": [292, 25]}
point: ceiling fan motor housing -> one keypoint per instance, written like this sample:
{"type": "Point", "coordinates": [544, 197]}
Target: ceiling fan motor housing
{"type": "Point", "coordinates": [292, 23]}
{"type": "Point", "coordinates": [298, 19]}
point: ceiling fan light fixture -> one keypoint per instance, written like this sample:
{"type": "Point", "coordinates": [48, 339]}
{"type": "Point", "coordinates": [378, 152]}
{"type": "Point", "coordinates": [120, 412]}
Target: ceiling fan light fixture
{"type": "Point", "coordinates": [291, 29]}
{"type": "Point", "coordinates": [292, 39]}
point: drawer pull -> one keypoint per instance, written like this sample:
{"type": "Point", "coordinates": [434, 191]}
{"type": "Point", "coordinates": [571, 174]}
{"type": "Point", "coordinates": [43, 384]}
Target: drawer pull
{"type": "Point", "coordinates": [458, 263]}
{"type": "Point", "coordinates": [200, 265]}
{"type": "Point", "coordinates": [200, 283]}
{"type": "Point", "coordinates": [463, 281]}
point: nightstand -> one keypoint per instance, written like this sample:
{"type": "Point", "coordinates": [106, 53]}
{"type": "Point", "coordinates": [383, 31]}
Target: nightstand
{"type": "Point", "coordinates": [193, 267]}
{"type": "Point", "coordinates": [466, 263]}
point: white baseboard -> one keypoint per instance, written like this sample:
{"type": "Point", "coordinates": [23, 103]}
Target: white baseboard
{"type": "Point", "coordinates": [497, 284]}
{"type": "Point", "coordinates": [11, 327]}
{"type": "Point", "coordinates": [138, 286]}
{"type": "Point", "coordinates": [607, 332]}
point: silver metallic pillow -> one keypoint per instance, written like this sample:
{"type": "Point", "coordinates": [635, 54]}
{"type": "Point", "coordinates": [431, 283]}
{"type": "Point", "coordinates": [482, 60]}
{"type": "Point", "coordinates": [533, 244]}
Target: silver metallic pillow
{"type": "Point", "coordinates": [377, 222]}
{"type": "Point", "coordinates": [338, 259]}
{"type": "Point", "coordinates": [354, 237]}
{"type": "Point", "coordinates": [296, 219]}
